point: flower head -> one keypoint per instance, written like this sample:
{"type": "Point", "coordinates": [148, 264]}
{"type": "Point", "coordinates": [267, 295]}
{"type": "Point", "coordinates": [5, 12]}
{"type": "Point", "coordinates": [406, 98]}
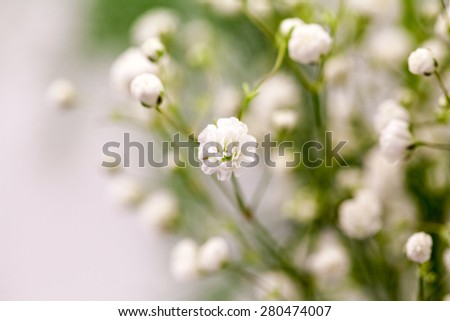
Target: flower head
{"type": "Point", "coordinates": [308, 43]}
{"type": "Point", "coordinates": [394, 140]}
{"type": "Point", "coordinates": [360, 217]}
{"type": "Point", "coordinates": [183, 260]}
{"type": "Point", "coordinates": [159, 210]}
{"type": "Point", "coordinates": [213, 255]}
{"type": "Point", "coordinates": [418, 247]}
{"type": "Point", "coordinates": [421, 62]}
{"type": "Point", "coordinates": [226, 148]}
{"type": "Point", "coordinates": [147, 89]}
{"type": "Point", "coordinates": [387, 111]}
{"type": "Point", "coordinates": [153, 49]}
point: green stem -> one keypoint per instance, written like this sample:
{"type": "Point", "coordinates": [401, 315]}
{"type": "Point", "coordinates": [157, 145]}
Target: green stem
{"type": "Point", "coordinates": [176, 125]}
{"type": "Point", "coordinates": [315, 98]}
{"type": "Point", "coordinates": [421, 292]}
{"type": "Point", "coordinates": [443, 87]}
{"type": "Point", "coordinates": [430, 145]}
{"type": "Point", "coordinates": [246, 212]}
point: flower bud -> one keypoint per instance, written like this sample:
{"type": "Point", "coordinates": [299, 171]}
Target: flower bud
{"type": "Point", "coordinates": [153, 49]}
{"type": "Point", "coordinates": [395, 139]}
{"type": "Point", "coordinates": [160, 210]}
{"type": "Point", "coordinates": [183, 260]}
{"type": "Point", "coordinates": [418, 247]}
{"type": "Point", "coordinates": [148, 89]}
{"type": "Point", "coordinates": [422, 62]}
{"type": "Point", "coordinates": [213, 255]}
{"type": "Point", "coordinates": [62, 93]}
{"type": "Point", "coordinates": [289, 24]}
{"type": "Point", "coordinates": [308, 43]}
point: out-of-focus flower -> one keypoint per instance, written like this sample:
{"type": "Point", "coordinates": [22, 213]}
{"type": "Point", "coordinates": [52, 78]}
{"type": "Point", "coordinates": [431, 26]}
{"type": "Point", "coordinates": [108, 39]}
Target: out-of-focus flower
{"type": "Point", "coordinates": [154, 23]}
{"type": "Point", "coordinates": [393, 54]}
{"type": "Point", "coordinates": [147, 89]}
{"type": "Point", "coordinates": [421, 62]}
{"type": "Point", "coordinates": [387, 111]}
{"type": "Point", "coordinates": [128, 66]}
{"type": "Point", "coordinates": [62, 93]}
{"type": "Point", "coordinates": [126, 191]}
{"type": "Point", "coordinates": [259, 8]}
{"type": "Point", "coordinates": [302, 207]}
{"type": "Point", "coordinates": [446, 297]}
{"type": "Point", "coordinates": [159, 210]}
{"type": "Point", "coordinates": [360, 217]}
{"type": "Point", "coordinates": [329, 264]}
{"type": "Point", "coordinates": [214, 255]}
{"type": "Point", "coordinates": [438, 48]}
{"type": "Point", "coordinates": [153, 49]}
{"type": "Point", "coordinates": [395, 139]}
{"type": "Point", "coordinates": [226, 7]}
{"type": "Point", "coordinates": [289, 24]}
{"type": "Point", "coordinates": [308, 43]}
{"type": "Point", "coordinates": [418, 247]}
{"type": "Point", "coordinates": [275, 286]}
{"type": "Point", "coordinates": [379, 9]}
{"type": "Point", "coordinates": [183, 260]}
{"type": "Point", "coordinates": [221, 148]}
{"type": "Point", "coordinates": [442, 28]}
{"type": "Point", "coordinates": [337, 69]}
{"type": "Point", "coordinates": [447, 260]}
{"type": "Point", "coordinates": [284, 118]}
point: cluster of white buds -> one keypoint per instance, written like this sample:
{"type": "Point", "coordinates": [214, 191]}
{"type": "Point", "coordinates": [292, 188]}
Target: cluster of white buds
{"type": "Point", "coordinates": [395, 139]}
{"type": "Point", "coordinates": [308, 43]}
{"type": "Point", "coordinates": [188, 260]}
{"type": "Point", "coordinates": [418, 247]}
{"type": "Point", "coordinates": [422, 62]}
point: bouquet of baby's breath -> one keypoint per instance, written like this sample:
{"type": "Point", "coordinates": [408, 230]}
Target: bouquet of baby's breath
{"type": "Point", "coordinates": [296, 149]}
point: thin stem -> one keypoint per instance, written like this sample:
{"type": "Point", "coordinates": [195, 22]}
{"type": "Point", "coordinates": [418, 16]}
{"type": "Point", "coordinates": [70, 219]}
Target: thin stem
{"type": "Point", "coordinates": [176, 125]}
{"type": "Point", "coordinates": [421, 292]}
{"type": "Point", "coordinates": [246, 212]}
{"type": "Point", "coordinates": [315, 98]}
{"type": "Point", "coordinates": [442, 85]}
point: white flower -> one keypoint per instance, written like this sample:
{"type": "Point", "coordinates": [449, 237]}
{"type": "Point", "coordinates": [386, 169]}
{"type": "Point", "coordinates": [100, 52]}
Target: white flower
{"type": "Point", "coordinates": [128, 66]}
{"type": "Point", "coordinates": [447, 259]}
{"type": "Point", "coordinates": [395, 139]}
{"type": "Point", "coordinates": [284, 118]}
{"type": "Point", "coordinates": [387, 111]}
{"type": "Point", "coordinates": [226, 7]}
{"type": "Point", "coordinates": [421, 62]}
{"type": "Point", "coordinates": [337, 69]}
{"type": "Point", "coordinates": [275, 286]}
{"type": "Point", "coordinates": [360, 217]}
{"type": "Point", "coordinates": [183, 260]}
{"type": "Point", "coordinates": [418, 247]}
{"type": "Point", "coordinates": [442, 28]}
{"type": "Point", "coordinates": [389, 45]}
{"type": "Point", "coordinates": [154, 23]}
{"type": "Point", "coordinates": [308, 43]}
{"type": "Point", "coordinates": [147, 89]}
{"type": "Point", "coordinates": [220, 149]}
{"type": "Point", "coordinates": [329, 264]}
{"type": "Point", "coordinates": [153, 49]}
{"type": "Point", "coordinates": [62, 93]}
{"type": "Point", "coordinates": [159, 210]}
{"type": "Point", "coordinates": [213, 255]}
{"type": "Point", "coordinates": [289, 24]}
{"type": "Point", "coordinates": [126, 191]}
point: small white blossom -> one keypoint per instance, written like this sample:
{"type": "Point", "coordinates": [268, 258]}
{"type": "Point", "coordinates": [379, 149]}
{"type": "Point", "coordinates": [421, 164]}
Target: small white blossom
{"type": "Point", "coordinates": [159, 210]}
{"type": "Point", "coordinates": [288, 25]}
{"type": "Point", "coordinates": [447, 260]}
{"type": "Point", "coordinates": [183, 260]}
{"type": "Point", "coordinates": [126, 191]}
{"type": "Point", "coordinates": [62, 93]}
{"type": "Point", "coordinates": [387, 111]}
{"type": "Point", "coordinates": [221, 146]}
{"type": "Point", "coordinates": [421, 62]}
{"type": "Point", "coordinates": [308, 43]}
{"type": "Point", "coordinates": [419, 247]}
{"type": "Point", "coordinates": [337, 69]}
{"type": "Point", "coordinates": [284, 118]}
{"type": "Point", "coordinates": [213, 255]}
{"type": "Point", "coordinates": [147, 89]}
{"type": "Point", "coordinates": [275, 286]}
{"type": "Point", "coordinates": [154, 23]}
{"type": "Point", "coordinates": [153, 49]}
{"type": "Point", "coordinates": [128, 66]}
{"type": "Point", "coordinates": [395, 139]}
{"type": "Point", "coordinates": [360, 217]}
{"type": "Point", "coordinates": [329, 264]}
